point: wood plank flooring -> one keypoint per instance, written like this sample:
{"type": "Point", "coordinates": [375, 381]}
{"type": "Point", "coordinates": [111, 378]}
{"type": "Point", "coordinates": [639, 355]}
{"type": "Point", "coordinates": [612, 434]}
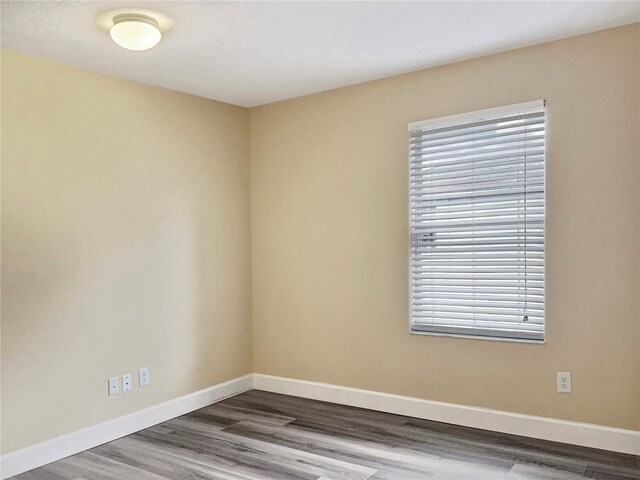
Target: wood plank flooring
{"type": "Point", "coordinates": [265, 436]}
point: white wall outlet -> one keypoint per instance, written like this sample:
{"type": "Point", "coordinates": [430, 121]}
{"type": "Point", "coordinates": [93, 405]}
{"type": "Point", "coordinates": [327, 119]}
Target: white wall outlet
{"type": "Point", "coordinates": [126, 383]}
{"type": "Point", "coordinates": [143, 376]}
{"type": "Point", "coordinates": [114, 386]}
{"type": "Point", "coordinates": [564, 382]}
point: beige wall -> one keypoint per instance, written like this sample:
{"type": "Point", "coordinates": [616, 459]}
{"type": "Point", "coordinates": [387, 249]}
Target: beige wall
{"type": "Point", "coordinates": [329, 235]}
{"type": "Point", "coordinates": [127, 233]}
{"type": "Point", "coordinates": [125, 243]}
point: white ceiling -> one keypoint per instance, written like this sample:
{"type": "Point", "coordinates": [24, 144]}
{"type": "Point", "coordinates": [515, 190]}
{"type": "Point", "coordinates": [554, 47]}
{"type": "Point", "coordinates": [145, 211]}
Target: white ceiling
{"type": "Point", "coordinates": [251, 53]}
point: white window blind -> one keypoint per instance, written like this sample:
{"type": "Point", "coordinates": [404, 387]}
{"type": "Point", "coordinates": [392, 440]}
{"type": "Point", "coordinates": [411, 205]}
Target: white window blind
{"type": "Point", "coordinates": [477, 223]}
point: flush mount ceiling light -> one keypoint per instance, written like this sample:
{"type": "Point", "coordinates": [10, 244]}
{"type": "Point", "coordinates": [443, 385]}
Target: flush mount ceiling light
{"type": "Point", "coordinates": [135, 29]}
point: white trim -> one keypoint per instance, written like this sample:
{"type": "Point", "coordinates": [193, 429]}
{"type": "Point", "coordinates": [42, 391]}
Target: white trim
{"type": "Point", "coordinates": [421, 201]}
{"type": "Point", "coordinates": [496, 112]}
{"type": "Point", "coordinates": [476, 337]}
{"type": "Point", "coordinates": [584, 434]}
{"type": "Point", "coordinates": [46, 452]}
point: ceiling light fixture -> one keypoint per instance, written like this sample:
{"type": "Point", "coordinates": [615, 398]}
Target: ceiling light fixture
{"type": "Point", "coordinates": [135, 31]}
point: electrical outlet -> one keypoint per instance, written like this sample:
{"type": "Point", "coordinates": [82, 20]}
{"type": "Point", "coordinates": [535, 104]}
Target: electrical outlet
{"type": "Point", "coordinates": [126, 383]}
{"type": "Point", "coordinates": [564, 382]}
{"type": "Point", "coordinates": [143, 376]}
{"type": "Point", "coordinates": [114, 386]}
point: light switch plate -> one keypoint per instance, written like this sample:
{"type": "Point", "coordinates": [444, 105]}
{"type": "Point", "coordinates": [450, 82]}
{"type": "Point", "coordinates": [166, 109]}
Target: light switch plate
{"type": "Point", "coordinates": [114, 386]}
{"type": "Point", "coordinates": [126, 383]}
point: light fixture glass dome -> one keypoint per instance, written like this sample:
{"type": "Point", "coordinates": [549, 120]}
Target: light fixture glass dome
{"type": "Point", "coordinates": [135, 31]}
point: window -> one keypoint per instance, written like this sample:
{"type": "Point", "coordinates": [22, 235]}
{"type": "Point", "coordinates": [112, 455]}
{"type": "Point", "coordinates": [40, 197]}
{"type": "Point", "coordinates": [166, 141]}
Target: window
{"type": "Point", "coordinates": [477, 223]}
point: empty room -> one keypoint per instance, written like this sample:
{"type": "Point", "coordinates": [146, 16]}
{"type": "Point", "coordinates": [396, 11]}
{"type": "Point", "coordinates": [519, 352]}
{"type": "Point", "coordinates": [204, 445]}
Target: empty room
{"type": "Point", "coordinates": [320, 240]}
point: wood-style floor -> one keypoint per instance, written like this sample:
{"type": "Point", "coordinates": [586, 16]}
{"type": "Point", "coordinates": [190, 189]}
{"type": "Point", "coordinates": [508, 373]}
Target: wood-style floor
{"type": "Point", "coordinates": [259, 435]}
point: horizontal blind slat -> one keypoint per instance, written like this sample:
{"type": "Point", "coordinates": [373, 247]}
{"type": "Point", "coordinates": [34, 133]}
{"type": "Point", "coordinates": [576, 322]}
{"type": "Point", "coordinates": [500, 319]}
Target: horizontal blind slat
{"type": "Point", "coordinates": [458, 173]}
{"type": "Point", "coordinates": [504, 120]}
{"type": "Point", "coordinates": [476, 135]}
{"type": "Point", "coordinates": [468, 145]}
{"type": "Point", "coordinates": [478, 198]}
{"type": "Point", "coordinates": [484, 207]}
{"type": "Point", "coordinates": [425, 167]}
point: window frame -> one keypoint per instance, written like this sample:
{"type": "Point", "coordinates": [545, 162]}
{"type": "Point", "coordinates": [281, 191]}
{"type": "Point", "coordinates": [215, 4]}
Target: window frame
{"type": "Point", "coordinates": [450, 120]}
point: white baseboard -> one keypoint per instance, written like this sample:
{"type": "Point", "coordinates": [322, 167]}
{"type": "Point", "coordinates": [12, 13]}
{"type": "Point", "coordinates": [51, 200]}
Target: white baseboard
{"type": "Point", "coordinates": [575, 433]}
{"type": "Point", "coordinates": [46, 452]}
